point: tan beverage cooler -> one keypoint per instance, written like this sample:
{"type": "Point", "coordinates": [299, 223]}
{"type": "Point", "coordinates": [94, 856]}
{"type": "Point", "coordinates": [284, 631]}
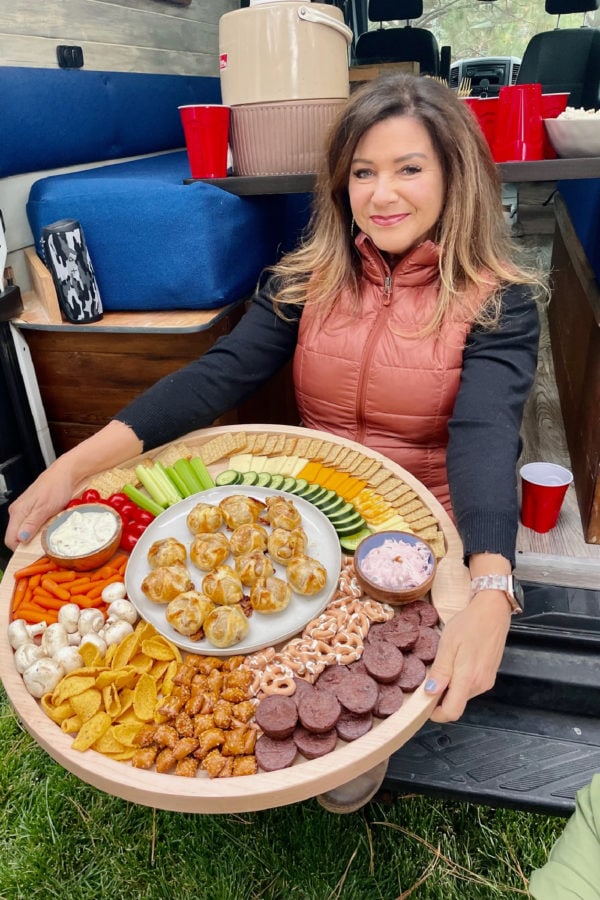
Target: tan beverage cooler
{"type": "Point", "coordinates": [284, 73]}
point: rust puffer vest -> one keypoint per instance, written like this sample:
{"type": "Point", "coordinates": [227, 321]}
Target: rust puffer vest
{"type": "Point", "coordinates": [365, 375]}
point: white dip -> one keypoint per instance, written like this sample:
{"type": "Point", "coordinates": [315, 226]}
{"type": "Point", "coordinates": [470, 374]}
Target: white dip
{"type": "Point", "coordinates": [82, 532]}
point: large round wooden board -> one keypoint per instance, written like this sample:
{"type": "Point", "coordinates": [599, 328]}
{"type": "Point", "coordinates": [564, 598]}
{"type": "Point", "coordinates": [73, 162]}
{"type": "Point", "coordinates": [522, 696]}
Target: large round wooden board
{"type": "Point", "coordinates": [265, 790]}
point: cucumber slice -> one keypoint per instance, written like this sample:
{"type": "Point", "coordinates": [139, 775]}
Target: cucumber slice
{"type": "Point", "coordinates": [276, 481]}
{"type": "Point", "coordinates": [300, 485]}
{"type": "Point", "coordinates": [289, 484]}
{"type": "Point", "coordinates": [264, 479]}
{"type": "Point", "coordinates": [351, 526]}
{"type": "Point", "coordinates": [229, 476]}
{"type": "Point", "coordinates": [250, 478]}
{"type": "Point", "coordinates": [347, 509]}
{"type": "Point", "coordinates": [334, 505]}
{"type": "Point", "coordinates": [313, 492]}
{"type": "Point", "coordinates": [325, 500]}
{"type": "Point", "coordinates": [350, 542]}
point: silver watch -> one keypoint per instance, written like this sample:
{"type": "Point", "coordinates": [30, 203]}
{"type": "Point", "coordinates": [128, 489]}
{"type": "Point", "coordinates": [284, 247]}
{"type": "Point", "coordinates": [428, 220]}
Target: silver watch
{"type": "Point", "coordinates": [506, 583]}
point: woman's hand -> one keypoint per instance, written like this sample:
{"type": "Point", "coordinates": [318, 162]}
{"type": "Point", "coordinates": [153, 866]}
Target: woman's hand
{"type": "Point", "coordinates": [46, 496]}
{"type": "Point", "coordinates": [469, 654]}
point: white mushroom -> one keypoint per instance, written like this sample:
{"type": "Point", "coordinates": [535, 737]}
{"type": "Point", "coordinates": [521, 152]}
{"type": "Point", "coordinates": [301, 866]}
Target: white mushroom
{"type": "Point", "coordinates": [27, 654]}
{"type": "Point", "coordinates": [20, 632]}
{"type": "Point", "coordinates": [114, 591]}
{"type": "Point", "coordinates": [54, 638]}
{"type": "Point", "coordinates": [74, 639]}
{"type": "Point", "coordinates": [91, 620]}
{"type": "Point", "coordinates": [42, 676]}
{"type": "Point", "coordinates": [92, 637]}
{"type": "Point", "coordinates": [68, 616]}
{"type": "Point", "coordinates": [116, 632]}
{"type": "Point", "coordinates": [69, 658]}
{"type": "Point", "coordinates": [122, 609]}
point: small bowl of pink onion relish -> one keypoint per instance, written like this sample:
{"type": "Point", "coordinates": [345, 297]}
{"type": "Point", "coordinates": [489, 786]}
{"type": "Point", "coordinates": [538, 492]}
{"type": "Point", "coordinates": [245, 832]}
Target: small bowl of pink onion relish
{"type": "Point", "coordinates": [394, 566]}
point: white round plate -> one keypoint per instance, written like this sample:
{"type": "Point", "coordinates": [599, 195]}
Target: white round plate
{"type": "Point", "coordinates": [265, 630]}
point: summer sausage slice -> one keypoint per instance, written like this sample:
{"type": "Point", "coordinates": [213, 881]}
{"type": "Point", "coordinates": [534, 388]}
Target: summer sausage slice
{"type": "Point", "coordinates": [277, 716]}
{"type": "Point", "coordinates": [351, 726]}
{"type": "Point", "coordinates": [427, 644]}
{"type": "Point", "coordinates": [376, 632]}
{"type": "Point", "coordinates": [272, 755]}
{"type": "Point", "coordinates": [413, 673]}
{"type": "Point", "coordinates": [383, 661]}
{"type": "Point", "coordinates": [357, 693]}
{"type": "Point", "coordinates": [318, 711]}
{"type": "Point", "coordinates": [331, 677]}
{"type": "Point", "coordinates": [312, 745]}
{"type": "Point", "coordinates": [427, 612]}
{"type": "Point", "coordinates": [389, 700]}
{"type": "Point", "coordinates": [402, 633]}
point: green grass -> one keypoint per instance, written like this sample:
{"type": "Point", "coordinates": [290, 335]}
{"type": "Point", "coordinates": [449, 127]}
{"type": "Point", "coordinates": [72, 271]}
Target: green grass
{"type": "Point", "coordinates": [61, 838]}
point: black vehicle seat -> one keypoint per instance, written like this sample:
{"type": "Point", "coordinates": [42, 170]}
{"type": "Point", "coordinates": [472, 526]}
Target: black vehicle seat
{"type": "Point", "coordinates": [566, 59]}
{"type": "Point", "coordinates": [403, 44]}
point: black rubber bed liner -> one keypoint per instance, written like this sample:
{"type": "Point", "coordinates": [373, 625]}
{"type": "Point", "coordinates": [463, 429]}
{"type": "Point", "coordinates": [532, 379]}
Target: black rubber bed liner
{"type": "Point", "coordinates": [534, 740]}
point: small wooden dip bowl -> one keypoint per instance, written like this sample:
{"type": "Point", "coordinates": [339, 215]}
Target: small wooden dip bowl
{"type": "Point", "coordinates": [85, 561]}
{"type": "Point", "coordinates": [394, 596]}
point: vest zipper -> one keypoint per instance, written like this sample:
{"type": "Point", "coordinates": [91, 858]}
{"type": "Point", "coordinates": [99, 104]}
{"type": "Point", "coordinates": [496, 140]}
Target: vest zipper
{"type": "Point", "coordinates": [380, 321]}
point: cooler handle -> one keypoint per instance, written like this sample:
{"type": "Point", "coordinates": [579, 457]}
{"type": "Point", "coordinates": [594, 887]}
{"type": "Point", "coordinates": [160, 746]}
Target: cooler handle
{"type": "Point", "coordinates": [311, 15]}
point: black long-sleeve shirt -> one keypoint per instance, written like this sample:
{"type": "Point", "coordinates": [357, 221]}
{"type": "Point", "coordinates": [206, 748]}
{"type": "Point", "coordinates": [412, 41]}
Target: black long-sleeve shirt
{"type": "Point", "coordinates": [498, 370]}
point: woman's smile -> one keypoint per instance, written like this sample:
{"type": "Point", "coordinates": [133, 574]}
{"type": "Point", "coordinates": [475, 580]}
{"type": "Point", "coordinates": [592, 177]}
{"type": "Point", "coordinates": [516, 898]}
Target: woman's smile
{"type": "Point", "coordinates": [396, 185]}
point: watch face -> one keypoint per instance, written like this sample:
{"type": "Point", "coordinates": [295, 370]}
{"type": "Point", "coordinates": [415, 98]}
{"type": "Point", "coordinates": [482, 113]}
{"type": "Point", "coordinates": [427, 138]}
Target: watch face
{"type": "Point", "coordinates": [519, 593]}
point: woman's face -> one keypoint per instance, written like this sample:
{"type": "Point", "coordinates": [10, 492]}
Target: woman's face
{"type": "Point", "coordinates": [396, 185]}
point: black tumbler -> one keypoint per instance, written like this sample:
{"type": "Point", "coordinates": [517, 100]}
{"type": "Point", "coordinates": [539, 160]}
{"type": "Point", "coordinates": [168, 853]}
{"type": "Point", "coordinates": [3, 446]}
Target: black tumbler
{"type": "Point", "coordinates": [67, 258]}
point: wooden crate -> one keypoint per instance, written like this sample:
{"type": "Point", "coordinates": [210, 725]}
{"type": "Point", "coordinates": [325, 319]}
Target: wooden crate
{"type": "Point", "coordinates": [574, 322]}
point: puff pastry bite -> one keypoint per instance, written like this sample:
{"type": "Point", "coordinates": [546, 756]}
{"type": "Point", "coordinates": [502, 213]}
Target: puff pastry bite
{"type": "Point", "coordinates": [223, 586]}
{"type": "Point", "coordinates": [282, 513]}
{"type": "Point", "coordinates": [187, 613]}
{"type": "Point", "coordinates": [166, 552]}
{"type": "Point", "coordinates": [270, 595]}
{"type": "Point", "coordinates": [306, 575]}
{"type": "Point", "coordinates": [240, 510]}
{"type": "Point", "coordinates": [249, 537]}
{"type": "Point", "coordinates": [252, 566]}
{"type": "Point", "coordinates": [207, 551]}
{"type": "Point", "coordinates": [284, 544]}
{"type": "Point", "coordinates": [226, 626]}
{"type": "Point", "coordinates": [204, 518]}
{"type": "Point", "coordinates": [165, 582]}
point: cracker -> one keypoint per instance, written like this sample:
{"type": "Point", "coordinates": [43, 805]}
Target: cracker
{"type": "Point", "coordinates": [223, 445]}
{"type": "Point", "coordinates": [438, 545]}
{"type": "Point", "coordinates": [279, 445]}
{"type": "Point", "coordinates": [112, 481]}
{"type": "Point", "coordinates": [418, 521]}
{"type": "Point", "coordinates": [370, 471]}
{"type": "Point", "coordinates": [362, 464]}
{"type": "Point", "coordinates": [382, 480]}
{"type": "Point", "coordinates": [427, 534]}
{"type": "Point", "coordinates": [350, 460]}
{"type": "Point", "coordinates": [257, 443]}
{"type": "Point", "coordinates": [329, 452]}
{"type": "Point", "coordinates": [270, 443]}
{"type": "Point", "coordinates": [340, 457]}
{"type": "Point", "coordinates": [314, 448]}
{"type": "Point", "coordinates": [302, 445]}
{"type": "Point", "coordinates": [410, 506]}
{"type": "Point", "coordinates": [400, 489]}
{"type": "Point", "coordinates": [290, 446]}
{"type": "Point", "coordinates": [171, 454]}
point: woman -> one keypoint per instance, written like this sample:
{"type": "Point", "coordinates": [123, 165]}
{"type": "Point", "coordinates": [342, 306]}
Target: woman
{"type": "Point", "coordinates": [411, 331]}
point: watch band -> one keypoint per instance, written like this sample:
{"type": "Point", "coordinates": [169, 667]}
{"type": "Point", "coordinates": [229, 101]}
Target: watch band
{"type": "Point", "coordinates": [505, 583]}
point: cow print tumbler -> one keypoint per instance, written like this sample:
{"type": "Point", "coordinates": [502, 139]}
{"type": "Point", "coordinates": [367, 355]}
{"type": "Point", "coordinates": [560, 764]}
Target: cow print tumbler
{"type": "Point", "coordinates": [67, 258]}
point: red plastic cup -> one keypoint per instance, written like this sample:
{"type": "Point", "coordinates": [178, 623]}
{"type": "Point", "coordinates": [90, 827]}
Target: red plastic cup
{"type": "Point", "coordinates": [485, 110]}
{"type": "Point", "coordinates": [206, 129]}
{"type": "Point", "coordinates": [552, 106]}
{"type": "Point", "coordinates": [544, 486]}
{"type": "Point", "coordinates": [520, 129]}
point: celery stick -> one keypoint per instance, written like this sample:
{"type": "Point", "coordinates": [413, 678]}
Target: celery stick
{"type": "Point", "coordinates": [152, 486]}
{"type": "Point", "coordinates": [188, 476]}
{"type": "Point", "coordinates": [159, 472]}
{"type": "Point", "coordinates": [142, 501]}
{"type": "Point", "coordinates": [177, 481]}
{"type": "Point", "coordinates": [202, 473]}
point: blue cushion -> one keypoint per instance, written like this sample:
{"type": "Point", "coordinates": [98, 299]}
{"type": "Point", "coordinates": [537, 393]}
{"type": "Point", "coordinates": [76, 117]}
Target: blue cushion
{"type": "Point", "coordinates": [582, 199]}
{"type": "Point", "coordinates": [156, 243]}
{"type": "Point", "coordinates": [101, 115]}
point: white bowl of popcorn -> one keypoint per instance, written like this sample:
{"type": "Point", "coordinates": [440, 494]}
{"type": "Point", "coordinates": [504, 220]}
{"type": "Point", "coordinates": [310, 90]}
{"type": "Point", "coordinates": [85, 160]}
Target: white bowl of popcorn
{"type": "Point", "coordinates": [575, 133]}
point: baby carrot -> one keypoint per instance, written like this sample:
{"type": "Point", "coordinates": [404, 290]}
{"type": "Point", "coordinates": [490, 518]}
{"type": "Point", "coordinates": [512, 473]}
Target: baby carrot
{"type": "Point", "coordinates": [86, 601]}
{"type": "Point", "coordinates": [20, 591]}
{"type": "Point", "coordinates": [38, 568]}
{"type": "Point", "coordinates": [48, 602]}
{"type": "Point", "coordinates": [62, 575]}
{"type": "Point", "coordinates": [35, 614]}
{"type": "Point", "coordinates": [55, 589]}
{"type": "Point", "coordinates": [34, 580]}
{"type": "Point", "coordinates": [99, 586]}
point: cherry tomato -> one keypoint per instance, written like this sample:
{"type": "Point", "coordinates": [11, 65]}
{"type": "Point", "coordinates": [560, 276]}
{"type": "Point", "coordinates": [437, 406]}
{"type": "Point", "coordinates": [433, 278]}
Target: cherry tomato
{"type": "Point", "coordinates": [137, 529]}
{"type": "Point", "coordinates": [118, 500]}
{"type": "Point", "coordinates": [90, 496]}
{"type": "Point", "coordinates": [143, 517]}
{"type": "Point", "coordinates": [128, 541]}
{"type": "Point", "coordinates": [72, 503]}
{"type": "Point", "coordinates": [127, 512]}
